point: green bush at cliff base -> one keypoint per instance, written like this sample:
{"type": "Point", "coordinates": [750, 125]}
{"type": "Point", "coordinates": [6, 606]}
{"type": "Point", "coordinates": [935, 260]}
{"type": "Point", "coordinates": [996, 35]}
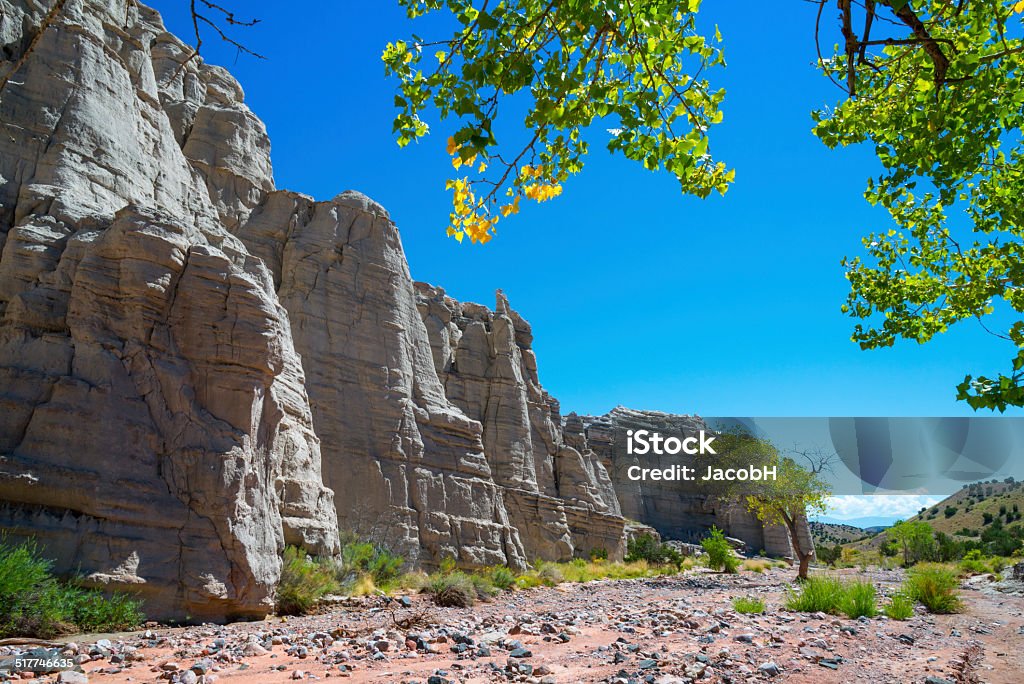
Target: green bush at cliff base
{"type": "Point", "coordinates": [34, 603]}
{"type": "Point", "coordinates": [719, 551]}
{"type": "Point", "coordinates": [304, 581]}
{"type": "Point", "coordinates": [501, 577]}
{"type": "Point", "coordinates": [646, 547]}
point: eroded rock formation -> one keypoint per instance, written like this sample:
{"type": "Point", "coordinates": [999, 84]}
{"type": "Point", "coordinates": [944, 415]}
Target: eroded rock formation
{"type": "Point", "coordinates": [410, 465]}
{"type": "Point", "coordinates": [197, 369]}
{"type": "Point", "coordinates": [485, 361]}
{"type": "Point", "coordinates": [154, 428]}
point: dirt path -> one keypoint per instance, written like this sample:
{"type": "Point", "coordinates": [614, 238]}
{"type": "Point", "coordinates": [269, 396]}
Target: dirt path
{"type": "Point", "coordinates": [665, 630]}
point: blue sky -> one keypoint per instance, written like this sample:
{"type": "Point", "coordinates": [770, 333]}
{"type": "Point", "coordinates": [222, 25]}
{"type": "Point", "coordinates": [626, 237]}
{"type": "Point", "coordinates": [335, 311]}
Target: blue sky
{"type": "Point", "coordinates": [637, 295]}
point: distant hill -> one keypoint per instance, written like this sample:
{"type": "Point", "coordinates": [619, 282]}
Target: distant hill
{"type": "Point", "coordinates": [864, 523]}
{"type": "Point", "coordinates": [830, 534]}
{"type": "Point", "coordinates": [965, 513]}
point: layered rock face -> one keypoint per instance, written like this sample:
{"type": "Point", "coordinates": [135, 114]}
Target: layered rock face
{"type": "Point", "coordinates": [197, 369]}
{"type": "Point", "coordinates": [489, 370]}
{"type": "Point", "coordinates": [410, 464]}
{"type": "Point", "coordinates": [155, 432]}
{"type": "Point", "coordinates": [671, 509]}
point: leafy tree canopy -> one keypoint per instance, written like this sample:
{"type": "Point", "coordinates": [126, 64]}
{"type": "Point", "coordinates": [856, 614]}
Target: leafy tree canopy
{"type": "Point", "coordinates": [943, 110]}
{"type": "Point", "coordinates": [933, 85]}
{"type": "Point", "coordinates": [638, 64]}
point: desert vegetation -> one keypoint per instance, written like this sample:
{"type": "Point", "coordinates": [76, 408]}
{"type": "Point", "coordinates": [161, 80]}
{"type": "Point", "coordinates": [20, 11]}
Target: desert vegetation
{"type": "Point", "coordinates": [35, 603]}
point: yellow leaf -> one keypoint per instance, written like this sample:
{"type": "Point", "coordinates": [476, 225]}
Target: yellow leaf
{"type": "Point", "coordinates": [1018, 8]}
{"type": "Point", "coordinates": [459, 236]}
{"type": "Point", "coordinates": [452, 146]}
{"type": "Point", "coordinates": [456, 161]}
{"type": "Point", "coordinates": [483, 167]}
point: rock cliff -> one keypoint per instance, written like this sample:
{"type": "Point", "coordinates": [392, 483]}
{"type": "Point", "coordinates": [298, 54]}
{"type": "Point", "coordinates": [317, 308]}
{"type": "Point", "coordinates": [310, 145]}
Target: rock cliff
{"type": "Point", "coordinates": [488, 368]}
{"type": "Point", "coordinates": [155, 431]}
{"type": "Point", "coordinates": [408, 465]}
{"type": "Point", "coordinates": [197, 369]}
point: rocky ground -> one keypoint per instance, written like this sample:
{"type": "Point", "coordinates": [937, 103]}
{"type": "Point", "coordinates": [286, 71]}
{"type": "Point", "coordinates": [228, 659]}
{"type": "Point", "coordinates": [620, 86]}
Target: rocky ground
{"type": "Point", "coordinates": [662, 630]}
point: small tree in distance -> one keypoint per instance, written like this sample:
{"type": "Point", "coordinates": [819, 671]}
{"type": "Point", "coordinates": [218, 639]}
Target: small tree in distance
{"type": "Point", "coordinates": [795, 493]}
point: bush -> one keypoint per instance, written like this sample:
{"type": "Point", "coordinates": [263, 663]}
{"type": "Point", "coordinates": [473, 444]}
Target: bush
{"type": "Point", "coordinates": [34, 603]}
{"type": "Point", "coordinates": [900, 607]}
{"type": "Point", "coordinates": [646, 547]}
{"type": "Point", "coordinates": [858, 600]}
{"type": "Point", "coordinates": [719, 551]}
{"type": "Point", "coordinates": [818, 593]}
{"type": "Point", "coordinates": [973, 563]}
{"type": "Point", "coordinates": [598, 554]}
{"type": "Point", "coordinates": [485, 590]}
{"type": "Point", "coordinates": [935, 587]}
{"type": "Point", "coordinates": [365, 558]}
{"type": "Point", "coordinates": [529, 580]}
{"type": "Point", "coordinates": [747, 604]}
{"type": "Point", "coordinates": [303, 582]}
{"type": "Point", "coordinates": [452, 589]}
{"type": "Point", "coordinates": [502, 578]}
{"type": "Point", "coordinates": [549, 574]}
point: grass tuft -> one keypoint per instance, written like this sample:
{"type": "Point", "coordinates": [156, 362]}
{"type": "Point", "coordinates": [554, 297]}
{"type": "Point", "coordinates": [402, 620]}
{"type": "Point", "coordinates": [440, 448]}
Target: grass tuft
{"type": "Point", "coordinates": [935, 586]}
{"type": "Point", "coordinates": [859, 600]}
{"type": "Point", "coordinates": [900, 607]}
{"type": "Point", "coordinates": [748, 605]}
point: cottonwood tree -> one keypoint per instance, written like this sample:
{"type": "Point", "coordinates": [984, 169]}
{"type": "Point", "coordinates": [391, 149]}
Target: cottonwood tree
{"type": "Point", "coordinates": [933, 85]}
{"type": "Point", "coordinates": [798, 490]}
{"type": "Point", "coordinates": [795, 493]}
{"type": "Point", "coordinates": [943, 108]}
{"type": "Point", "coordinates": [915, 538]}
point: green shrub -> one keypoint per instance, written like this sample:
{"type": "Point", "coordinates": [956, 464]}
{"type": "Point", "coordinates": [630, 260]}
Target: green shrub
{"type": "Point", "coordinates": [485, 590]}
{"type": "Point", "coordinates": [935, 586]}
{"type": "Point", "coordinates": [858, 600]}
{"type": "Point", "coordinates": [448, 565]}
{"type": "Point", "coordinates": [529, 580]}
{"type": "Point", "coordinates": [599, 553]}
{"type": "Point", "coordinates": [303, 582]}
{"type": "Point", "coordinates": [817, 593]}
{"type": "Point", "coordinates": [452, 589]}
{"type": "Point", "coordinates": [719, 551]}
{"type": "Point", "coordinates": [365, 558]}
{"type": "Point", "coordinates": [34, 603]}
{"type": "Point", "coordinates": [549, 574]}
{"type": "Point", "coordinates": [973, 563]}
{"type": "Point", "coordinates": [747, 604]}
{"type": "Point", "coordinates": [502, 578]}
{"type": "Point", "coordinates": [646, 547]}
{"type": "Point", "coordinates": [900, 607]}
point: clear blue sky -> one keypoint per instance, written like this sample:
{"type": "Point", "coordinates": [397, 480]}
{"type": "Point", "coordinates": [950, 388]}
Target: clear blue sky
{"type": "Point", "coordinates": [637, 295]}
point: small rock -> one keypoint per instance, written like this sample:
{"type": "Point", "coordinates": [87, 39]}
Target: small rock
{"type": "Point", "coordinates": [72, 677]}
{"type": "Point", "coordinates": [769, 668]}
